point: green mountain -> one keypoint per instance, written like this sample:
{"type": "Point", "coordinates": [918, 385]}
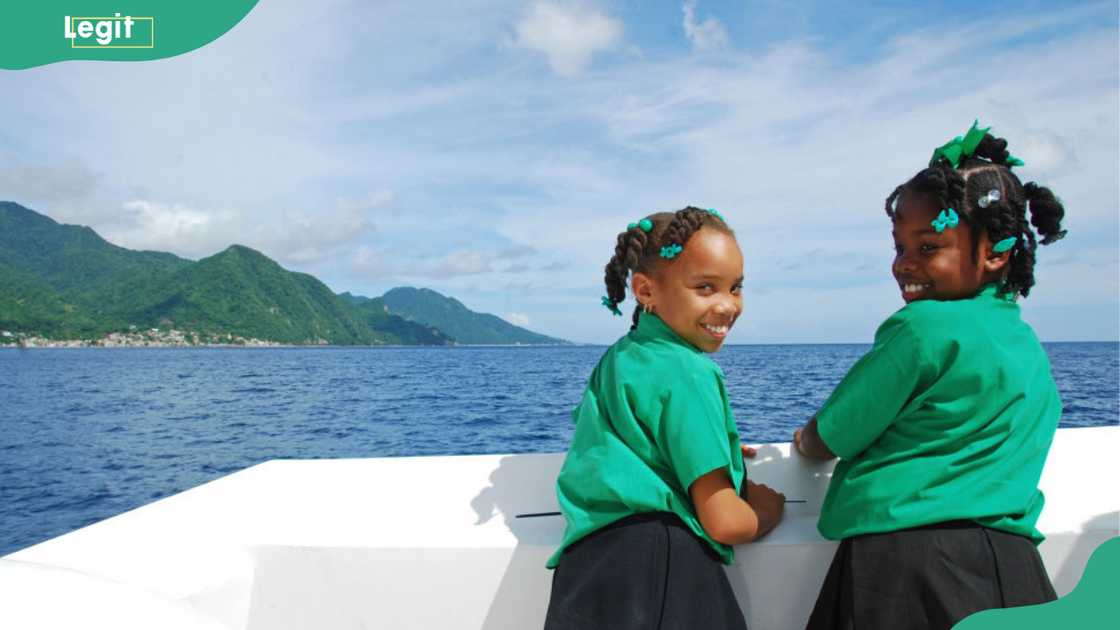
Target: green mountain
{"type": "Point", "coordinates": [72, 257]}
{"type": "Point", "coordinates": [244, 292]}
{"type": "Point", "coordinates": [449, 315]}
{"type": "Point", "coordinates": [375, 314]}
{"type": "Point", "coordinates": [66, 282]}
{"type": "Point", "coordinates": [357, 300]}
{"type": "Point", "coordinates": [28, 303]}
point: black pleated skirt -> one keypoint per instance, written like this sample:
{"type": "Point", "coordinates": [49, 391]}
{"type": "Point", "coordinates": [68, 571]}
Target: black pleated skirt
{"type": "Point", "coordinates": [646, 571]}
{"type": "Point", "coordinates": [928, 578]}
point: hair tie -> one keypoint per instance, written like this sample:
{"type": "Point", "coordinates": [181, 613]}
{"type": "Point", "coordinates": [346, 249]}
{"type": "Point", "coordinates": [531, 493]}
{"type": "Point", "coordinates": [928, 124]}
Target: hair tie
{"type": "Point", "coordinates": [645, 224]}
{"type": "Point", "coordinates": [716, 213]}
{"type": "Point", "coordinates": [611, 306]}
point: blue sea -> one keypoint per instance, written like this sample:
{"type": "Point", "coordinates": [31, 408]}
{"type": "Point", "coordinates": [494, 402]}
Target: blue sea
{"type": "Point", "coordinates": [88, 433]}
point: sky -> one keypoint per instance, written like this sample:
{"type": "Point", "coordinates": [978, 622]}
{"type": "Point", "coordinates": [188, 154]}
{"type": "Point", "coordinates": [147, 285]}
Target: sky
{"type": "Point", "coordinates": [493, 150]}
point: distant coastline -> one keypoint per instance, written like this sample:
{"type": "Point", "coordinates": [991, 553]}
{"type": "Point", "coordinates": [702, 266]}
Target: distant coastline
{"type": "Point", "coordinates": [152, 338]}
{"type": "Point", "coordinates": [156, 338]}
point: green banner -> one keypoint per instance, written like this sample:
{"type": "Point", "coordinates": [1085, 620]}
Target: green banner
{"type": "Point", "coordinates": [1091, 605]}
{"type": "Point", "coordinates": [38, 33]}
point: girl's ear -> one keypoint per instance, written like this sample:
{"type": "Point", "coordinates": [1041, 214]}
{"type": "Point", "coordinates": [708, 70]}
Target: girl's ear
{"type": "Point", "coordinates": [994, 262]}
{"type": "Point", "coordinates": [641, 286]}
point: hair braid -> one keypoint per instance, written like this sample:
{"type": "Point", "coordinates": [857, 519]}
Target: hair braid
{"type": "Point", "coordinates": [627, 251]}
{"type": "Point", "coordinates": [684, 224]}
{"type": "Point", "coordinates": [940, 184]}
{"type": "Point", "coordinates": [1047, 212]}
{"type": "Point", "coordinates": [992, 149]}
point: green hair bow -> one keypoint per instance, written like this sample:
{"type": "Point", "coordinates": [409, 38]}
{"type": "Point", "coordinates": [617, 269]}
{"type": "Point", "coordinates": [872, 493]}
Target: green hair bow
{"type": "Point", "coordinates": [955, 150]}
{"type": "Point", "coordinates": [1004, 245]}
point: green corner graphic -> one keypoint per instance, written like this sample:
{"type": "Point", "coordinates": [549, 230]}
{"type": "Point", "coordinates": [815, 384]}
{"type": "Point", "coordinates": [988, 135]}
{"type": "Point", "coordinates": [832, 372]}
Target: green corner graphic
{"type": "Point", "coordinates": [46, 32]}
{"type": "Point", "coordinates": [1092, 603]}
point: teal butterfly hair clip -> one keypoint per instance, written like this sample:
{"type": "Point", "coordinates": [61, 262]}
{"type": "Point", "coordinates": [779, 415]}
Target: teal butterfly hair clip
{"type": "Point", "coordinates": [671, 251]}
{"type": "Point", "coordinates": [946, 219]}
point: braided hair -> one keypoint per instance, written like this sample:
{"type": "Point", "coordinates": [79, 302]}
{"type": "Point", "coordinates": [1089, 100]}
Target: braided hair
{"type": "Point", "coordinates": [962, 188]}
{"type": "Point", "coordinates": [639, 251]}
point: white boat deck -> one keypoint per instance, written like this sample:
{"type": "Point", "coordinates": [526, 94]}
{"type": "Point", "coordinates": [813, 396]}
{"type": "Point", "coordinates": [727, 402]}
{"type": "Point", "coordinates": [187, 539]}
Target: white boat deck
{"type": "Point", "coordinates": [435, 542]}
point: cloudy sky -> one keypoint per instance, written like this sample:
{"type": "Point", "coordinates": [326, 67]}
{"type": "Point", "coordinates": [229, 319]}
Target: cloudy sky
{"type": "Point", "coordinates": [492, 150]}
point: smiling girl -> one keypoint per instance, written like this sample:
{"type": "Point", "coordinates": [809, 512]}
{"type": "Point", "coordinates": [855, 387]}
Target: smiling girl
{"type": "Point", "coordinates": [651, 484]}
{"type": "Point", "coordinates": [943, 427]}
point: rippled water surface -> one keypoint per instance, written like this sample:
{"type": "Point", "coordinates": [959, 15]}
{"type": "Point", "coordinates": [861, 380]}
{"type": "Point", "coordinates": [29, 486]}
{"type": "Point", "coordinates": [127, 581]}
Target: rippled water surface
{"type": "Point", "coordinates": [89, 433]}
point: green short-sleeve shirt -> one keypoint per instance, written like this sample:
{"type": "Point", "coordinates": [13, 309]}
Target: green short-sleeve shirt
{"type": "Point", "coordinates": [949, 416]}
{"type": "Point", "coordinates": [654, 418]}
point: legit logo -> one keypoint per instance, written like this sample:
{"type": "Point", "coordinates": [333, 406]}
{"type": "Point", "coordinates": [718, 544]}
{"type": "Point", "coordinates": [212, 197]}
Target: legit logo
{"type": "Point", "coordinates": [111, 32]}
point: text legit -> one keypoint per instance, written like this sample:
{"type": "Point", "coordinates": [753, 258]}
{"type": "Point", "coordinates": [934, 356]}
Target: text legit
{"type": "Point", "coordinates": [106, 29]}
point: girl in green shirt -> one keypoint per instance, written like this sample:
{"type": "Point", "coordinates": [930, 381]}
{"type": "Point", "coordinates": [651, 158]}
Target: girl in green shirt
{"type": "Point", "coordinates": [943, 427]}
{"type": "Point", "coordinates": [651, 486]}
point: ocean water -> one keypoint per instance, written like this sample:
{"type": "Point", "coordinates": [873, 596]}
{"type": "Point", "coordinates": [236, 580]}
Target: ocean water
{"type": "Point", "coordinates": [88, 433]}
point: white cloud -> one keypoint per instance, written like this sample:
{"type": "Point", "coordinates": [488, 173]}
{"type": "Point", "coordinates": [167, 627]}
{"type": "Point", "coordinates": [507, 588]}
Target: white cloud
{"type": "Point", "coordinates": [799, 153]}
{"type": "Point", "coordinates": [372, 201]}
{"type": "Point", "coordinates": [516, 252]}
{"type": "Point", "coordinates": [1051, 154]}
{"type": "Point", "coordinates": [518, 319]}
{"type": "Point", "coordinates": [176, 228]}
{"type": "Point", "coordinates": [460, 263]}
{"type": "Point", "coordinates": [368, 262]}
{"type": "Point", "coordinates": [707, 35]}
{"type": "Point", "coordinates": [466, 262]}
{"type": "Point", "coordinates": [35, 184]}
{"type": "Point", "coordinates": [796, 142]}
{"type": "Point", "coordinates": [308, 237]}
{"type": "Point", "coordinates": [388, 262]}
{"type": "Point", "coordinates": [292, 237]}
{"type": "Point", "coordinates": [385, 263]}
{"type": "Point", "coordinates": [568, 35]}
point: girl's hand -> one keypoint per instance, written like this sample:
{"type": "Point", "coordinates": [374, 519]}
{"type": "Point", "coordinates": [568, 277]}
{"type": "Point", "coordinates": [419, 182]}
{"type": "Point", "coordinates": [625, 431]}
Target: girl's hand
{"type": "Point", "coordinates": [768, 504]}
{"type": "Point", "coordinates": [807, 441]}
{"type": "Point", "coordinates": [748, 452]}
